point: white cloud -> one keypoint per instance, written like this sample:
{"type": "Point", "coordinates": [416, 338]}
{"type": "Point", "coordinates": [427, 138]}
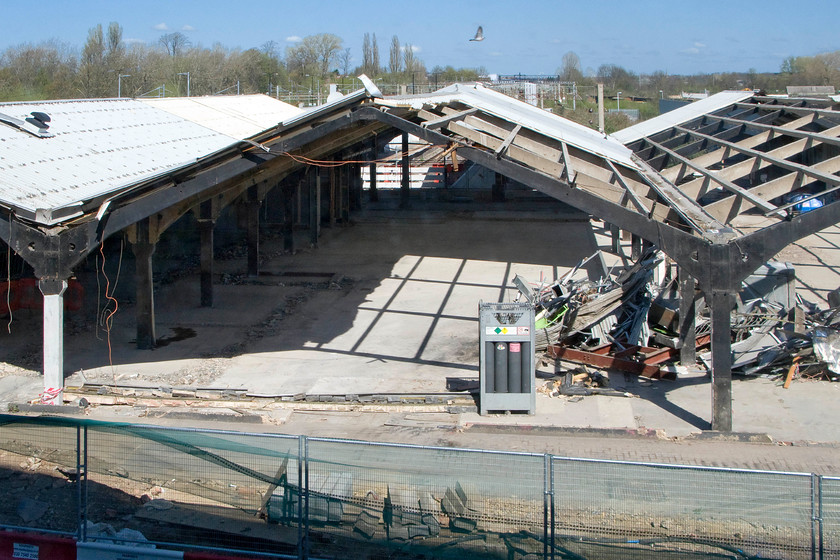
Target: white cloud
{"type": "Point", "coordinates": [414, 48]}
{"type": "Point", "coordinates": [294, 39]}
{"type": "Point", "coordinates": [691, 50]}
{"type": "Point", "coordinates": [162, 27]}
{"type": "Point", "coordinates": [188, 28]}
{"type": "Point", "coordinates": [699, 45]}
{"type": "Point", "coordinates": [133, 41]}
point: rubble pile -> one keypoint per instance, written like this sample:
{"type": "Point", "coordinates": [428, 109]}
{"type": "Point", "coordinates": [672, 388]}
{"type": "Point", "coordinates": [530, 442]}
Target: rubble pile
{"type": "Point", "coordinates": [629, 320]}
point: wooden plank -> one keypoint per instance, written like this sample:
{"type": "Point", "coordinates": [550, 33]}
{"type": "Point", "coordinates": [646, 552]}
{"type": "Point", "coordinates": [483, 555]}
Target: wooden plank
{"type": "Point", "coordinates": [770, 157]}
{"type": "Point", "coordinates": [262, 512]}
{"type": "Point", "coordinates": [504, 145]}
{"type": "Point", "coordinates": [726, 184]}
{"type": "Point", "coordinates": [711, 158]}
{"type": "Point", "coordinates": [445, 120]}
{"type": "Point", "coordinates": [631, 194]}
{"type": "Point", "coordinates": [570, 172]}
{"type": "Point", "coordinates": [772, 189]}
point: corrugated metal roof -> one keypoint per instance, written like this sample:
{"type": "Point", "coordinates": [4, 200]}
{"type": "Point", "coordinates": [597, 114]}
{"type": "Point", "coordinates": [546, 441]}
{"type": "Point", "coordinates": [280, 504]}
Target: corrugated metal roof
{"type": "Point", "coordinates": [534, 118]}
{"type": "Point", "coordinates": [240, 116]}
{"type": "Point", "coordinates": [102, 146]}
{"type": "Point", "coordinates": [680, 115]}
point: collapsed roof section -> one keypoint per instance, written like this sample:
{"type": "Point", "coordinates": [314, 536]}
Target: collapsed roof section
{"type": "Point", "coordinates": [591, 163]}
{"type": "Point", "coordinates": [747, 160]}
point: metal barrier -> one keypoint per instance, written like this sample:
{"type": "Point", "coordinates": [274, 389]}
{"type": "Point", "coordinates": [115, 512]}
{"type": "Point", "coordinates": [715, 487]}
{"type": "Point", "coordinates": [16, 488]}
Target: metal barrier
{"type": "Point", "coordinates": [828, 517]}
{"type": "Point", "coordinates": [263, 495]}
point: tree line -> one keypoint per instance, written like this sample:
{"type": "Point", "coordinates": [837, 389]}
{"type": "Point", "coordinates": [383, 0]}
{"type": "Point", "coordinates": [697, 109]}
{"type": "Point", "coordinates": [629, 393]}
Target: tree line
{"type": "Point", "coordinates": [820, 70]}
{"type": "Point", "coordinates": [107, 65]}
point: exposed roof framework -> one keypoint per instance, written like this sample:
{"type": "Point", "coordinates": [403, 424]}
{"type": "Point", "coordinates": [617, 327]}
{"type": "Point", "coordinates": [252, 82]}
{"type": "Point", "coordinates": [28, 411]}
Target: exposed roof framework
{"type": "Point", "coordinates": [710, 184]}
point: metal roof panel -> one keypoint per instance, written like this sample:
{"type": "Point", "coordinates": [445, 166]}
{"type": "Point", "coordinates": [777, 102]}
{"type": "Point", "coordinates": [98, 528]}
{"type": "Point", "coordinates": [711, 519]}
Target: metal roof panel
{"type": "Point", "coordinates": [534, 118]}
{"type": "Point", "coordinates": [680, 115]}
{"type": "Point", "coordinates": [240, 116]}
{"type": "Point", "coordinates": [100, 146]}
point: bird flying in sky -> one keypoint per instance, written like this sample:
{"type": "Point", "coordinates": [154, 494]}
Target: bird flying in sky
{"type": "Point", "coordinates": [479, 34]}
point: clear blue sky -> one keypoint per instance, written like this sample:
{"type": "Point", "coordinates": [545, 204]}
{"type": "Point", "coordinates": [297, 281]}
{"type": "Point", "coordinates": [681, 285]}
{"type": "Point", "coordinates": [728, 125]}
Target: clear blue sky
{"type": "Point", "coordinates": [679, 37]}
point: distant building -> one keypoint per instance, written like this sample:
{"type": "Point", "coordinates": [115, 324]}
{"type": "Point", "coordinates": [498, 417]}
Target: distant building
{"type": "Point", "coordinates": [810, 90]}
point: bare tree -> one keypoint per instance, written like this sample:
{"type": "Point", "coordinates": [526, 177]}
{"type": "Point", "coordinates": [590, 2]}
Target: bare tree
{"type": "Point", "coordinates": [395, 60]}
{"type": "Point", "coordinates": [174, 43]}
{"type": "Point", "coordinates": [344, 61]}
{"type": "Point", "coordinates": [374, 48]}
{"type": "Point", "coordinates": [570, 70]}
{"type": "Point", "coordinates": [44, 71]}
{"type": "Point", "coordinates": [314, 55]}
{"type": "Point", "coordinates": [367, 55]}
{"type": "Point", "coordinates": [92, 71]}
{"type": "Point", "coordinates": [114, 43]}
{"type": "Point", "coordinates": [409, 59]}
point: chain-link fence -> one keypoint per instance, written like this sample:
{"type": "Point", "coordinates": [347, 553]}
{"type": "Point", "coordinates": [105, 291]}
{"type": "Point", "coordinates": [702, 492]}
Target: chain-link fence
{"type": "Point", "coordinates": [299, 497]}
{"type": "Point", "coordinates": [829, 516]}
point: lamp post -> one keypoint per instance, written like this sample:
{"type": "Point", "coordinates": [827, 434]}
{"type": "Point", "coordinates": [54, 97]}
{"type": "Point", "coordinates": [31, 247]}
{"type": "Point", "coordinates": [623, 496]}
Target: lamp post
{"type": "Point", "coordinates": [187, 74]}
{"type": "Point", "coordinates": [119, 83]}
{"type": "Point", "coordinates": [618, 101]}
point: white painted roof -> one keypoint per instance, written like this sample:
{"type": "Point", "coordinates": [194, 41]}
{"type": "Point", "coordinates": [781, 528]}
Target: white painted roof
{"type": "Point", "coordinates": [103, 146]}
{"type": "Point", "coordinates": [534, 118]}
{"type": "Point", "coordinates": [680, 115]}
{"type": "Point", "coordinates": [240, 116]}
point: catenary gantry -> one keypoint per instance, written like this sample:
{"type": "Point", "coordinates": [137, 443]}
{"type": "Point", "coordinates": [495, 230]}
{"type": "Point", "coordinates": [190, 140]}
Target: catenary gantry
{"type": "Point", "coordinates": [717, 185]}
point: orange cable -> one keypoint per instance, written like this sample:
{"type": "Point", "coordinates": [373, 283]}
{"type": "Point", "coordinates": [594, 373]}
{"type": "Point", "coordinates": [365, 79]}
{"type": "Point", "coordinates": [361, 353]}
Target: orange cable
{"type": "Point", "coordinates": [108, 320]}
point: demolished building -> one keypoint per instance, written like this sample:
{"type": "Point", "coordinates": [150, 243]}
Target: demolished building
{"type": "Point", "coordinates": [717, 185]}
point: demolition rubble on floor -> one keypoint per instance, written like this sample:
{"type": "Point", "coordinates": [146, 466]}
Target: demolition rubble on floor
{"type": "Point", "coordinates": [628, 321]}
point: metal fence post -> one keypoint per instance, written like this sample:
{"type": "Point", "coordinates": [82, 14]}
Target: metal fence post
{"type": "Point", "coordinates": [300, 538]}
{"type": "Point", "coordinates": [82, 480]}
{"type": "Point", "coordinates": [304, 495]}
{"type": "Point", "coordinates": [79, 514]}
{"type": "Point", "coordinates": [548, 507]}
{"type": "Point", "coordinates": [816, 517]}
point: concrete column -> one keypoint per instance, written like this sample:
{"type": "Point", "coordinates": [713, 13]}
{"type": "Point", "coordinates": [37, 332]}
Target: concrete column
{"type": "Point", "coordinates": [206, 226]}
{"type": "Point", "coordinates": [345, 193]}
{"type": "Point", "coordinates": [721, 305]}
{"type": "Point", "coordinates": [53, 291]}
{"type": "Point", "coordinates": [615, 239]}
{"type": "Point", "coordinates": [687, 319]}
{"type": "Point", "coordinates": [635, 247]}
{"type": "Point", "coordinates": [405, 186]}
{"type": "Point", "coordinates": [333, 205]}
{"type": "Point", "coordinates": [314, 182]}
{"type": "Point", "coordinates": [355, 187]}
{"type": "Point", "coordinates": [498, 194]}
{"type": "Point", "coordinates": [289, 214]}
{"type": "Point", "coordinates": [374, 195]}
{"type": "Point", "coordinates": [143, 250]}
{"type": "Point", "coordinates": [253, 206]}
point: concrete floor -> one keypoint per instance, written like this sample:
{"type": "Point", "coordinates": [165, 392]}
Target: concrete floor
{"type": "Point", "coordinates": [389, 304]}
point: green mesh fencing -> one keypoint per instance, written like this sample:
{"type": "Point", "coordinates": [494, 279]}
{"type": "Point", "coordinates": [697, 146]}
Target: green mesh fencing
{"type": "Point", "coordinates": [641, 511]}
{"type": "Point", "coordinates": [38, 475]}
{"type": "Point", "coordinates": [830, 515]}
{"type": "Point", "coordinates": [297, 497]}
{"type": "Point", "coordinates": [188, 487]}
{"type": "Point", "coordinates": [400, 501]}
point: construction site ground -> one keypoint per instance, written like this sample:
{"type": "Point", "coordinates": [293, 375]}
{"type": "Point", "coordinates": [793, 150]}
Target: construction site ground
{"type": "Point", "coordinates": [335, 341]}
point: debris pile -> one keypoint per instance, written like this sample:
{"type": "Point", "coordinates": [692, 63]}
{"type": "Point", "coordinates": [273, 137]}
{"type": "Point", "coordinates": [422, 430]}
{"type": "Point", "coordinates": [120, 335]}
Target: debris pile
{"type": "Point", "coordinates": [628, 321]}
